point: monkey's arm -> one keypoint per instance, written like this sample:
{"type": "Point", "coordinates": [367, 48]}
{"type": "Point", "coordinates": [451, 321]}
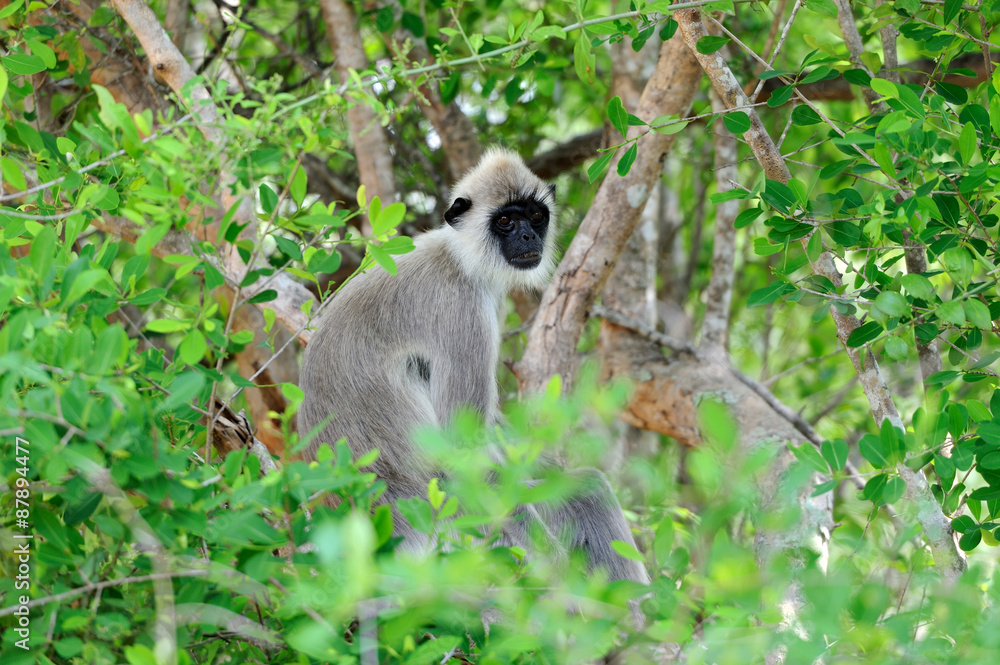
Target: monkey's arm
{"type": "Point", "coordinates": [463, 369]}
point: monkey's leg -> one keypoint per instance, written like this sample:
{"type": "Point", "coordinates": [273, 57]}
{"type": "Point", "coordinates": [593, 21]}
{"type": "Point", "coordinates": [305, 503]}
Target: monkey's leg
{"type": "Point", "coordinates": [591, 519]}
{"type": "Point", "coordinates": [528, 529]}
{"type": "Point", "coordinates": [414, 542]}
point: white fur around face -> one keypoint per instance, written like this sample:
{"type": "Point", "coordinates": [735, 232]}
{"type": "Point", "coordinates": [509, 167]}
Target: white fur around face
{"type": "Point", "coordinates": [499, 177]}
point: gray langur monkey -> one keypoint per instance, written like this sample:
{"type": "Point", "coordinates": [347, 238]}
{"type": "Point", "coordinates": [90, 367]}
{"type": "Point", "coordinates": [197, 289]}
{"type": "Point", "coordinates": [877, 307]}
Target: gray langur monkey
{"type": "Point", "coordinates": [395, 352]}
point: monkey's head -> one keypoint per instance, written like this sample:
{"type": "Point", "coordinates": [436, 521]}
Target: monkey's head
{"type": "Point", "coordinates": [501, 215]}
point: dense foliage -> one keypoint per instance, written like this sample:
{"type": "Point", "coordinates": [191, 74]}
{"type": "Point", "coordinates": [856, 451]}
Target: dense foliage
{"type": "Point", "coordinates": [147, 546]}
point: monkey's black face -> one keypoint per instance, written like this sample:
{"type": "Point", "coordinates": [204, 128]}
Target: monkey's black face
{"type": "Point", "coordinates": [520, 227]}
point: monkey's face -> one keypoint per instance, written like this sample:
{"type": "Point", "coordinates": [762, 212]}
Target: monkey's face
{"type": "Point", "coordinates": [500, 214]}
{"type": "Point", "coordinates": [520, 227]}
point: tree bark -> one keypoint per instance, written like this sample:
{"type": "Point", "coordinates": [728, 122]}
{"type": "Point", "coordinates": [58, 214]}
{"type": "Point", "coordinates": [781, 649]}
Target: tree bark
{"type": "Point", "coordinates": [552, 339]}
{"type": "Point", "coordinates": [371, 146]}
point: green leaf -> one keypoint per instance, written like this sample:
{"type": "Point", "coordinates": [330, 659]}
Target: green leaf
{"type": "Point", "coordinates": [884, 159]}
{"type": "Point", "coordinates": [892, 303]}
{"type": "Point", "coordinates": [823, 488]}
{"type": "Point", "coordinates": [22, 64]}
{"type": "Point", "coordinates": [737, 122]}
{"type": "Point", "coordinates": [873, 450]}
{"type": "Point", "coordinates": [13, 174]}
{"type": "Point", "coordinates": [778, 195]}
{"type": "Point", "coordinates": [668, 30]}
{"type": "Point", "coordinates": [807, 454]}
{"type": "Point", "coordinates": [627, 550]}
{"type": "Point", "coordinates": [435, 496]}
{"type": "Point", "coordinates": [952, 312]}
{"type": "Point", "coordinates": [663, 542]}
{"type": "Point", "coordinates": [835, 453]}
{"type": "Point", "coordinates": [9, 10]}
{"type": "Point", "coordinates": [618, 115]}
{"type": "Point", "coordinates": [781, 96]}
{"type": "Point", "coordinates": [182, 390]}
{"type": "Point", "coordinates": [418, 513]}
{"type": "Point", "coordinates": [824, 7]}
{"type": "Point", "coordinates": [384, 19]}
{"type": "Point", "coordinates": [388, 218]}
{"type": "Point", "coordinates": [268, 199]}
{"type": "Point", "coordinates": [959, 263]}
{"type": "Point", "coordinates": [896, 349]}
{"type": "Point", "coordinates": [918, 286]}
{"type": "Point", "coordinates": [893, 123]}
{"type": "Point", "coordinates": [747, 217]}
{"type": "Point", "coordinates": [625, 163]}
{"type": "Point", "coordinates": [990, 461]}
{"type": "Point", "coordinates": [414, 24]}
{"type": "Point", "coordinates": [893, 490]}
{"type": "Point", "coordinates": [864, 334]}
{"type": "Point", "coordinates": [383, 258]}
{"type": "Point", "coordinates": [978, 314]}
{"type": "Point", "coordinates": [168, 325]}
{"type": "Point", "coordinates": [109, 351]}
{"type": "Point", "coordinates": [761, 247]}
{"type": "Point", "coordinates": [967, 143]}
{"type": "Point", "coordinates": [266, 295]}
{"type": "Point", "coordinates": [971, 540]}
{"type": "Point", "coordinates": [584, 59]}
{"type": "Point", "coordinates": [192, 349]}
{"type": "Point", "coordinates": [671, 124]}
{"type": "Point", "coordinates": [711, 44]}
{"type": "Point", "coordinates": [844, 233]}
{"type": "Point", "coordinates": [139, 654]}
{"type": "Point", "coordinates": [874, 487]}
{"type": "Point", "coordinates": [910, 100]}
{"type": "Point", "coordinates": [945, 469]}
{"type": "Point", "coordinates": [106, 198]}
{"type": "Point", "coordinates": [803, 115]}
{"type": "Point", "coordinates": [770, 293]}
{"type": "Point", "coordinates": [43, 51]}
{"type": "Point", "coordinates": [597, 169]}
{"type": "Point", "coordinates": [964, 524]}
{"type": "Point", "coordinates": [941, 378]}
{"type": "Point", "coordinates": [399, 245]}
{"type": "Point", "coordinates": [951, 10]}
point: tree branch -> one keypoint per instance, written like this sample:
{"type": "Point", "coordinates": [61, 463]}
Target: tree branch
{"type": "Point", "coordinates": [551, 345]}
{"type": "Point", "coordinates": [719, 294]}
{"type": "Point", "coordinates": [371, 147]}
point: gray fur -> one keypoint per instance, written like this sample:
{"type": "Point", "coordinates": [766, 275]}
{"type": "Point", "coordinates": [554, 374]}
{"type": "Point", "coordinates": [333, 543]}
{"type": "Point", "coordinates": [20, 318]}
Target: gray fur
{"type": "Point", "coordinates": [395, 352]}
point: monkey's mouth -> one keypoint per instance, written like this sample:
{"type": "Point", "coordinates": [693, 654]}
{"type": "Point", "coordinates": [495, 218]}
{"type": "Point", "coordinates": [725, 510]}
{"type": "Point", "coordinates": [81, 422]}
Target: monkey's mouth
{"type": "Point", "coordinates": [526, 260]}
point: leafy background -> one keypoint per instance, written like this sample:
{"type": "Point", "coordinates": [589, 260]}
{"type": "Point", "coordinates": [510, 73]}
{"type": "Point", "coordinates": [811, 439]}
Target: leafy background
{"type": "Point", "coordinates": [152, 546]}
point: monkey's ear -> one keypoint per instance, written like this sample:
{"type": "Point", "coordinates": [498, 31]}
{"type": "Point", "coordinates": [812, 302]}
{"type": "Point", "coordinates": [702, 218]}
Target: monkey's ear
{"type": "Point", "coordinates": [457, 208]}
{"type": "Point", "coordinates": [552, 190]}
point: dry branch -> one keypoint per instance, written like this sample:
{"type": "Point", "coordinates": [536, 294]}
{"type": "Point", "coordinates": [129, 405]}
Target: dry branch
{"type": "Point", "coordinates": [568, 155]}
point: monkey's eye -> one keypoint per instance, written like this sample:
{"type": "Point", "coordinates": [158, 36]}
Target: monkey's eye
{"type": "Point", "coordinates": [504, 222]}
{"type": "Point", "coordinates": [537, 216]}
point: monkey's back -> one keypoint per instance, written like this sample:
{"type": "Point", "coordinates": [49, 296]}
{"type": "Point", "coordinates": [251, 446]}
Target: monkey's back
{"type": "Point", "coordinates": [395, 352]}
